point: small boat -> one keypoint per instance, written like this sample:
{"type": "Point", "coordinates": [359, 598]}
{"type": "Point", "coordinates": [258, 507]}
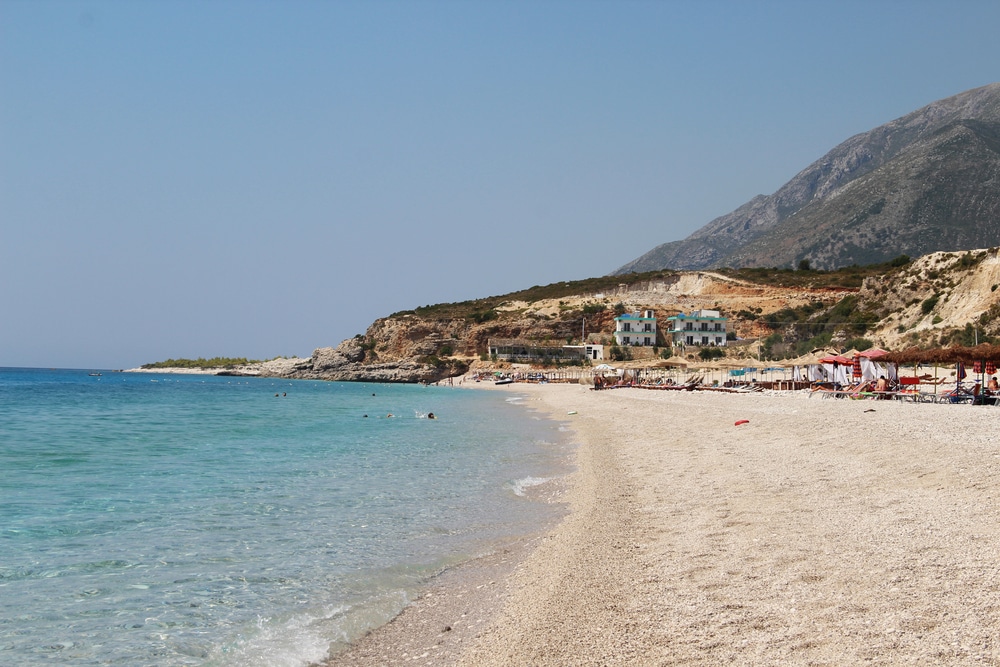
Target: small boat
{"type": "Point", "coordinates": [94, 375]}
{"type": "Point", "coordinates": [505, 381]}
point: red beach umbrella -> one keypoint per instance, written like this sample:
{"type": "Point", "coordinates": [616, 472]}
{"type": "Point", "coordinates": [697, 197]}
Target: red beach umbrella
{"type": "Point", "coordinates": [835, 359]}
{"type": "Point", "coordinates": [856, 370]}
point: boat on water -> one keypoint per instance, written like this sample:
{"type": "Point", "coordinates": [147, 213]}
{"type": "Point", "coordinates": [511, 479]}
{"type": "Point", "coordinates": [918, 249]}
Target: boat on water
{"type": "Point", "coordinates": [94, 375]}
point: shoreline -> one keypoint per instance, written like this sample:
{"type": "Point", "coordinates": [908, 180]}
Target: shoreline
{"type": "Point", "coordinates": [820, 532]}
{"type": "Point", "coordinates": [456, 605]}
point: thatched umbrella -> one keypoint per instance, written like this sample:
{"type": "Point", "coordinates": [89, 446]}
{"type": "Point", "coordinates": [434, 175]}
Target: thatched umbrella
{"type": "Point", "coordinates": [948, 355]}
{"type": "Point", "coordinates": [912, 355]}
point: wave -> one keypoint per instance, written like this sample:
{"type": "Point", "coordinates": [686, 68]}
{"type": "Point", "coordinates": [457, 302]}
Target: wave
{"type": "Point", "coordinates": [520, 486]}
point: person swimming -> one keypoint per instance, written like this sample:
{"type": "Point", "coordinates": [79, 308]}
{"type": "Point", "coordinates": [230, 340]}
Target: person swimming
{"type": "Point", "coordinates": [430, 415]}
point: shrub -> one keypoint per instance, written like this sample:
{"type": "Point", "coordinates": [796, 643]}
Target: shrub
{"type": "Point", "coordinates": [620, 353]}
{"type": "Point", "coordinates": [483, 316]}
{"type": "Point", "coordinates": [859, 344]}
{"type": "Point", "coordinates": [902, 260]}
{"type": "Point", "coordinates": [927, 305]}
{"type": "Point", "coordinates": [709, 353]}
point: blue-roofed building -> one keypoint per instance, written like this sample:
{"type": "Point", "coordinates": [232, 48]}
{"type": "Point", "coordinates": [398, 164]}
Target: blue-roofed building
{"type": "Point", "coordinates": [700, 328]}
{"type": "Point", "coordinates": [636, 329]}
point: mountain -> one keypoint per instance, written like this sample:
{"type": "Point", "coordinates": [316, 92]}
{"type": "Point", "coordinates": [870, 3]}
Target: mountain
{"type": "Point", "coordinates": [926, 182]}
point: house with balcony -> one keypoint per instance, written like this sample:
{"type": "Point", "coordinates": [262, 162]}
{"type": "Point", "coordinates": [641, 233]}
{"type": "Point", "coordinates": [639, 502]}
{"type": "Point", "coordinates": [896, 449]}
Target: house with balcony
{"type": "Point", "coordinates": [700, 328]}
{"type": "Point", "coordinates": [636, 329]}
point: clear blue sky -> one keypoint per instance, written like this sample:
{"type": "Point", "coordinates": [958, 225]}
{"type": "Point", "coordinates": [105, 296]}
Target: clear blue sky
{"type": "Point", "coordinates": [184, 179]}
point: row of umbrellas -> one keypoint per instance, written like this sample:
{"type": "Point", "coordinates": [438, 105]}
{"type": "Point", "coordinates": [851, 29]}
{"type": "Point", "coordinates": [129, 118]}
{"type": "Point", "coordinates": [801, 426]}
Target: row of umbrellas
{"type": "Point", "coordinates": [982, 357]}
{"type": "Point", "coordinates": [814, 357]}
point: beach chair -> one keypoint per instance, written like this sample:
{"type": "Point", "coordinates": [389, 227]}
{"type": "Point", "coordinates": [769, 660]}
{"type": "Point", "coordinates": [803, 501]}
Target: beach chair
{"type": "Point", "coordinates": [962, 395]}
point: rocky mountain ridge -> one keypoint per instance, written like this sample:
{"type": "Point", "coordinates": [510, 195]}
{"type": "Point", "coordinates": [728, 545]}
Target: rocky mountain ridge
{"type": "Point", "coordinates": [926, 182]}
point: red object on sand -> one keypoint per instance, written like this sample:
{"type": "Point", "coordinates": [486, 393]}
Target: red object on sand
{"type": "Point", "coordinates": [742, 421]}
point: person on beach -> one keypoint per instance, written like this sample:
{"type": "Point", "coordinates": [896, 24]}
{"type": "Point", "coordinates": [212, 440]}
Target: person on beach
{"type": "Point", "coordinates": [992, 384]}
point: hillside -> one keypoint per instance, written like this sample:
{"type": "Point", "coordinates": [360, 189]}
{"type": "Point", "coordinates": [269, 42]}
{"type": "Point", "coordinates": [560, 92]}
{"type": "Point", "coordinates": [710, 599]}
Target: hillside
{"type": "Point", "coordinates": [936, 300]}
{"type": "Point", "coordinates": [926, 182]}
{"type": "Point", "coordinates": [941, 298]}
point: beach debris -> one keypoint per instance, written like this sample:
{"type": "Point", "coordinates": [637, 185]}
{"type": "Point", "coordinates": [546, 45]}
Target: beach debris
{"type": "Point", "coordinates": [870, 410]}
{"type": "Point", "coordinates": [571, 412]}
{"type": "Point", "coordinates": [741, 421]}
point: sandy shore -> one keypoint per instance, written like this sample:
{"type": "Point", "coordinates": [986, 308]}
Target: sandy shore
{"type": "Point", "coordinates": [822, 532]}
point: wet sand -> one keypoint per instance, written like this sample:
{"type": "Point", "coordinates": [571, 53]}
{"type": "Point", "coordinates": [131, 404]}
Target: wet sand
{"type": "Point", "coordinates": [822, 532]}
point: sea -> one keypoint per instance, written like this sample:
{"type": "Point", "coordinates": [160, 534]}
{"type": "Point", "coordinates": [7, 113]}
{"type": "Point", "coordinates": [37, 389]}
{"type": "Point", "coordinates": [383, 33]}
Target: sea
{"type": "Point", "coordinates": [202, 520]}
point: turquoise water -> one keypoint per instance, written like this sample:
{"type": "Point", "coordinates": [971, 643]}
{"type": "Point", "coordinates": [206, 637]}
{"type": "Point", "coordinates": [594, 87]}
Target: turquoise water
{"type": "Point", "coordinates": [197, 520]}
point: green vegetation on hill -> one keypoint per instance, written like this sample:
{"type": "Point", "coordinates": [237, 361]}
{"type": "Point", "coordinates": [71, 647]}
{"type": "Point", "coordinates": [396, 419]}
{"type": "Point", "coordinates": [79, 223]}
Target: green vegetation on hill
{"type": "Point", "coordinates": [798, 330]}
{"type": "Point", "coordinates": [483, 310]}
{"type": "Point", "coordinates": [848, 277]}
{"type": "Point", "coordinates": [214, 362]}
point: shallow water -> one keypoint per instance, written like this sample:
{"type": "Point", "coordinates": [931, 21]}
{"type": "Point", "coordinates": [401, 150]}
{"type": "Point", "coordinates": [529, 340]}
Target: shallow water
{"type": "Point", "coordinates": [190, 520]}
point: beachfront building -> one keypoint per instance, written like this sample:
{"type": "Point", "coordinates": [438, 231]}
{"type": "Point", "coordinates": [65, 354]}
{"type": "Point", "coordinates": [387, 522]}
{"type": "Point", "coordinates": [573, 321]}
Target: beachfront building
{"type": "Point", "coordinates": [589, 351]}
{"type": "Point", "coordinates": [527, 351]}
{"type": "Point", "coordinates": [700, 328]}
{"type": "Point", "coordinates": [636, 329]}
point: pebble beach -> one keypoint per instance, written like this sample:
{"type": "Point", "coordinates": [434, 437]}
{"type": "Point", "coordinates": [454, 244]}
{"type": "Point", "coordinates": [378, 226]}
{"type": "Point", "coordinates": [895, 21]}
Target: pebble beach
{"type": "Point", "coordinates": [816, 532]}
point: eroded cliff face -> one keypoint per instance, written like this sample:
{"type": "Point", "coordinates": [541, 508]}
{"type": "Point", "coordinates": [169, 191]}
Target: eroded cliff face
{"type": "Point", "coordinates": [935, 296]}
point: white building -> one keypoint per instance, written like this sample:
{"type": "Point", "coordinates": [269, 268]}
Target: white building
{"type": "Point", "coordinates": [589, 351]}
{"type": "Point", "coordinates": [701, 328]}
{"type": "Point", "coordinates": [636, 329]}
{"type": "Point", "coordinates": [519, 349]}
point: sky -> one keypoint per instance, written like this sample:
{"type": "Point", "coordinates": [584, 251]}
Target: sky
{"type": "Point", "coordinates": [255, 179]}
